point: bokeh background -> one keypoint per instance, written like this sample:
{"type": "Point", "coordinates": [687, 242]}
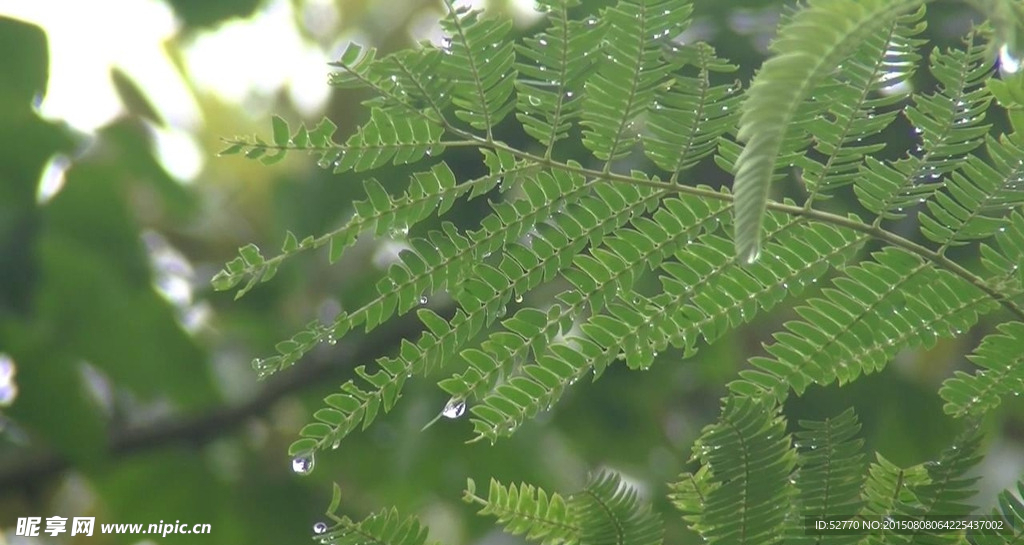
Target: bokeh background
{"type": "Point", "coordinates": [126, 391]}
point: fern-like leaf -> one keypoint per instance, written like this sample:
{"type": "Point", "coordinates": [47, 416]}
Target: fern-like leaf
{"type": "Point", "coordinates": [888, 486]}
{"type": "Point", "coordinates": [750, 460]}
{"type": "Point", "coordinates": [405, 82]}
{"type": "Point", "coordinates": [627, 77]}
{"type": "Point", "coordinates": [978, 195]}
{"type": "Point", "coordinates": [831, 474]}
{"type": "Point", "coordinates": [387, 527]}
{"type": "Point", "coordinates": [689, 495]}
{"type": "Point", "coordinates": [1001, 358]}
{"type": "Point", "coordinates": [879, 308]}
{"type": "Point", "coordinates": [559, 60]}
{"type": "Point", "coordinates": [479, 63]}
{"type": "Point", "coordinates": [606, 512]}
{"type": "Point", "coordinates": [528, 510]}
{"type": "Point", "coordinates": [597, 279]}
{"type": "Point", "coordinates": [860, 98]}
{"type": "Point", "coordinates": [950, 125]}
{"type": "Point", "coordinates": [611, 513]}
{"type": "Point", "coordinates": [809, 47]}
{"type": "Point", "coordinates": [1009, 240]}
{"type": "Point", "coordinates": [690, 114]}
{"type": "Point", "coordinates": [944, 495]}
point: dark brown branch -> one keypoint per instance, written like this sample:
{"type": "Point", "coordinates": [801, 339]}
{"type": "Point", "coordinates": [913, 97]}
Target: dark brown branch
{"type": "Point", "coordinates": [34, 468]}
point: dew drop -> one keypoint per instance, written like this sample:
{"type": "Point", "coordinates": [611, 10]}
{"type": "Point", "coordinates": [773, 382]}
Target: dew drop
{"type": "Point", "coordinates": [752, 256]}
{"type": "Point", "coordinates": [320, 527]}
{"type": "Point", "coordinates": [519, 298]}
{"type": "Point", "coordinates": [533, 100]}
{"type": "Point", "coordinates": [454, 408]}
{"type": "Point", "coordinates": [423, 299]}
{"type": "Point", "coordinates": [543, 42]}
{"type": "Point", "coordinates": [303, 464]}
{"type": "Point", "coordinates": [1008, 64]}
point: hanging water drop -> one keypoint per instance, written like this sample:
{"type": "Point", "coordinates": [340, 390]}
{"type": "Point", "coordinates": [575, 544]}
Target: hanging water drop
{"type": "Point", "coordinates": [303, 464]}
{"type": "Point", "coordinates": [320, 528]}
{"type": "Point", "coordinates": [519, 298]}
{"type": "Point", "coordinates": [1008, 64]}
{"type": "Point", "coordinates": [752, 256]}
{"type": "Point", "coordinates": [454, 408]}
{"type": "Point", "coordinates": [423, 299]}
{"type": "Point", "coordinates": [533, 100]}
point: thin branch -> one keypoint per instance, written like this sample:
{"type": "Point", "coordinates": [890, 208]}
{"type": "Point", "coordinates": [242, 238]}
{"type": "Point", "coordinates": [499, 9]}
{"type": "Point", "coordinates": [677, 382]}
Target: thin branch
{"type": "Point", "coordinates": [874, 231]}
{"type": "Point", "coordinates": [33, 468]}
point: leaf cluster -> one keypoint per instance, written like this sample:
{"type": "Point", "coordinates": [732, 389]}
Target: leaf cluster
{"type": "Point", "coordinates": [595, 233]}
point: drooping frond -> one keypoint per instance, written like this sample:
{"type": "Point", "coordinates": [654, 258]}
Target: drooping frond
{"type": "Point", "coordinates": [550, 96]}
{"type": "Point", "coordinates": [690, 113]}
{"type": "Point", "coordinates": [611, 513]}
{"type": "Point", "coordinates": [547, 253]}
{"type": "Point", "coordinates": [479, 63]}
{"type": "Point", "coordinates": [831, 473]}
{"type": "Point", "coordinates": [860, 96]}
{"type": "Point", "coordinates": [879, 308]}
{"type": "Point", "coordinates": [453, 262]}
{"type": "Point", "coordinates": [809, 47]}
{"type": "Point", "coordinates": [1001, 358]}
{"type": "Point", "coordinates": [750, 460]}
{"type": "Point", "coordinates": [950, 125]}
{"type": "Point", "coordinates": [706, 293]}
{"type": "Point", "coordinates": [978, 195]}
{"type": "Point", "coordinates": [629, 73]}
{"type": "Point", "coordinates": [530, 511]}
{"type": "Point", "coordinates": [597, 278]}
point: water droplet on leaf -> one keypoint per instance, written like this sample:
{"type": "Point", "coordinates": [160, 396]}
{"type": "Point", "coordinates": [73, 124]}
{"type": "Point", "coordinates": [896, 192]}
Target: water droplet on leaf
{"type": "Point", "coordinates": [454, 408]}
{"type": "Point", "coordinates": [1008, 63]}
{"type": "Point", "coordinates": [320, 528]}
{"type": "Point", "coordinates": [303, 464]}
{"type": "Point", "coordinates": [752, 256]}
